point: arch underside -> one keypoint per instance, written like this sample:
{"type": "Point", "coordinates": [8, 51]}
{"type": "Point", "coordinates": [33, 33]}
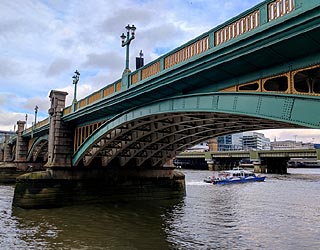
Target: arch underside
{"type": "Point", "coordinates": [153, 140]}
{"type": "Point", "coordinates": [39, 150]}
{"type": "Point", "coordinates": [149, 136]}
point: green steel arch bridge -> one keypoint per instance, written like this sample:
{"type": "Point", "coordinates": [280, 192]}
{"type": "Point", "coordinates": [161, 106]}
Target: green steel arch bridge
{"type": "Point", "coordinates": [258, 70]}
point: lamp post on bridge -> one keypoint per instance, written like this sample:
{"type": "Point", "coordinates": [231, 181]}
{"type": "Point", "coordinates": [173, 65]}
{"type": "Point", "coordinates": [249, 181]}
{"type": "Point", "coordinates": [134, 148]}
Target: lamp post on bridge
{"type": "Point", "coordinates": [35, 119]}
{"type": "Point", "coordinates": [75, 81]}
{"type": "Point", "coordinates": [126, 40]}
{"type": "Point", "coordinates": [35, 115]}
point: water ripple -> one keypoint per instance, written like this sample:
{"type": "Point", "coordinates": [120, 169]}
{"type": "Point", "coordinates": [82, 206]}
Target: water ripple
{"type": "Point", "coordinates": [281, 213]}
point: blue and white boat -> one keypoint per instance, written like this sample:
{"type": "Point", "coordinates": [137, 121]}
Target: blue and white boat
{"type": "Point", "coordinates": [236, 175]}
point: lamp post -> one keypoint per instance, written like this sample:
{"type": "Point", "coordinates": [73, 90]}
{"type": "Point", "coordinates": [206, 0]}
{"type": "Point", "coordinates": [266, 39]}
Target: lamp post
{"type": "Point", "coordinates": [75, 81]}
{"type": "Point", "coordinates": [126, 40]}
{"type": "Point", "coordinates": [26, 120]}
{"type": "Point", "coordinates": [35, 114]}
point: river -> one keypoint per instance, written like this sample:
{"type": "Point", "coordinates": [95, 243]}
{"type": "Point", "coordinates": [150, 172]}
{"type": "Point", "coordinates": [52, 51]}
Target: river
{"type": "Point", "coordinates": [281, 213]}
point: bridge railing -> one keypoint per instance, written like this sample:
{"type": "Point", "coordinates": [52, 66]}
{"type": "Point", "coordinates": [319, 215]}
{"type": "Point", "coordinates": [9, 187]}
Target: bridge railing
{"type": "Point", "coordinates": [38, 125]}
{"type": "Point", "coordinates": [220, 36]}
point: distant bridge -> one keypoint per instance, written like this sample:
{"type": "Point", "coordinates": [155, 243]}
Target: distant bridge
{"type": "Point", "coordinates": [226, 159]}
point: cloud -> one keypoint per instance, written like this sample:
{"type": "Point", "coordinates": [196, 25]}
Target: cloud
{"type": "Point", "coordinates": [9, 67]}
{"type": "Point", "coordinates": [9, 120]}
{"type": "Point", "coordinates": [43, 104]}
{"type": "Point", "coordinates": [108, 60]}
{"type": "Point", "coordinates": [305, 135]}
{"type": "Point", "coordinates": [57, 66]}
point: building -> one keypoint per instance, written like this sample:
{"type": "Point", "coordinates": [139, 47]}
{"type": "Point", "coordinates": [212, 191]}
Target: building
{"type": "Point", "coordinates": [3, 135]}
{"type": "Point", "coordinates": [230, 142]}
{"type": "Point", "coordinates": [290, 144]}
{"type": "Point", "coordinates": [201, 147]}
{"type": "Point", "coordinates": [213, 144]}
{"type": "Point", "coordinates": [243, 141]}
{"type": "Point", "coordinates": [255, 141]}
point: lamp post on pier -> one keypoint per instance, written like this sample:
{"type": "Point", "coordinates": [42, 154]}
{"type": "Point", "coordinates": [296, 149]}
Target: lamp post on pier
{"type": "Point", "coordinates": [75, 81]}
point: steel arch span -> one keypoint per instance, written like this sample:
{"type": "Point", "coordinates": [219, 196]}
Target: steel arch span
{"type": "Point", "coordinates": [150, 135]}
{"type": "Point", "coordinates": [38, 149]}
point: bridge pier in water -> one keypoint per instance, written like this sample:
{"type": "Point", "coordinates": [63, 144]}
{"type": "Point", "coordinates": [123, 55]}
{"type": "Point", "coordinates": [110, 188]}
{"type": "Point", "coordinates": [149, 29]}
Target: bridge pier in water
{"type": "Point", "coordinates": [276, 165]}
{"type": "Point", "coordinates": [71, 186]}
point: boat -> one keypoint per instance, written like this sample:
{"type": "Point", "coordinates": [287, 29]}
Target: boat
{"type": "Point", "coordinates": [236, 175]}
{"type": "Point", "coordinates": [303, 163]}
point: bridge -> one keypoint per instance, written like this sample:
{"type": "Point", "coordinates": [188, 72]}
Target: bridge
{"type": "Point", "coordinates": [259, 70]}
{"type": "Point", "coordinates": [274, 160]}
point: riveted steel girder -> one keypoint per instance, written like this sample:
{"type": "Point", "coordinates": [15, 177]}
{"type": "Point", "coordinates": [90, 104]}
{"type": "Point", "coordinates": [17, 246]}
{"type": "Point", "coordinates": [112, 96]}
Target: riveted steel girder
{"type": "Point", "coordinates": [176, 123]}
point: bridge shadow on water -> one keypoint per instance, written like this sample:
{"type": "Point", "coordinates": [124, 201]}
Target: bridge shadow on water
{"type": "Point", "coordinates": [126, 225]}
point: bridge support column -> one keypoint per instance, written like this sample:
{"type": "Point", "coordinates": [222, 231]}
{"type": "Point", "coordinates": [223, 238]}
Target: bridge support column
{"type": "Point", "coordinates": [60, 137]}
{"type": "Point", "coordinates": [224, 164]}
{"type": "Point", "coordinates": [210, 165]}
{"type": "Point", "coordinates": [1, 152]}
{"type": "Point", "coordinates": [69, 186]}
{"type": "Point", "coordinates": [276, 165]}
{"type": "Point", "coordinates": [7, 153]}
{"type": "Point", "coordinates": [22, 144]}
{"type": "Point", "coordinates": [260, 168]}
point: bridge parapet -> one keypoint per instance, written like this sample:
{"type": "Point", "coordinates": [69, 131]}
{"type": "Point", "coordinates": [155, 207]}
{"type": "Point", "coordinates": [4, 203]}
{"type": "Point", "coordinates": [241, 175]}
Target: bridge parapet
{"type": "Point", "coordinates": [36, 126]}
{"type": "Point", "coordinates": [280, 8]}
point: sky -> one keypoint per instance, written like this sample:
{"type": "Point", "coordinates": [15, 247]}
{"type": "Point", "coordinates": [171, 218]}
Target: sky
{"type": "Point", "coordinates": [42, 43]}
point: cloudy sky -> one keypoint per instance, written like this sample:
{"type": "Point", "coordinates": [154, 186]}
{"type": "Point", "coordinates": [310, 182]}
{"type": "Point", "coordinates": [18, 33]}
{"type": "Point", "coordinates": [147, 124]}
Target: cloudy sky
{"type": "Point", "coordinates": [42, 43]}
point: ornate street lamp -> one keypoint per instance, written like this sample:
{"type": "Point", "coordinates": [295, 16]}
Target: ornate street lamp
{"type": "Point", "coordinates": [126, 40]}
{"type": "Point", "coordinates": [35, 115]}
{"type": "Point", "coordinates": [75, 81]}
{"type": "Point", "coordinates": [35, 119]}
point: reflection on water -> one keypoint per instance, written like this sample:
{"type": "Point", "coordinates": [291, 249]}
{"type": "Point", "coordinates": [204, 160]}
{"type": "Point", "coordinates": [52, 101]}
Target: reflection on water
{"type": "Point", "coordinates": [104, 226]}
{"type": "Point", "coordinates": [280, 213]}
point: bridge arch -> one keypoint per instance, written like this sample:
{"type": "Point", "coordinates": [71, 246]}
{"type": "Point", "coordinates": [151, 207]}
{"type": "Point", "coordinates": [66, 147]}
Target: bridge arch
{"type": "Point", "coordinates": [152, 134]}
{"type": "Point", "coordinates": [39, 148]}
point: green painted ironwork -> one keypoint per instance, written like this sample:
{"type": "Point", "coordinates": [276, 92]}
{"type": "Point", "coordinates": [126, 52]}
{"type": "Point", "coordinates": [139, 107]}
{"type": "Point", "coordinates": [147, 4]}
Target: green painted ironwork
{"type": "Point", "coordinates": [36, 142]}
{"type": "Point", "coordinates": [284, 108]}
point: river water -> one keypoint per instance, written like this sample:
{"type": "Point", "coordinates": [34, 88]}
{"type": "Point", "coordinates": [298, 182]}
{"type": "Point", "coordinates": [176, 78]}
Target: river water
{"type": "Point", "coordinates": [281, 213]}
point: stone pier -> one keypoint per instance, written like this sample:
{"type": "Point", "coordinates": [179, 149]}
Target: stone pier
{"type": "Point", "coordinates": [60, 135]}
{"type": "Point", "coordinates": [276, 165]}
{"type": "Point", "coordinates": [72, 186]}
{"type": "Point", "coordinates": [22, 144]}
{"type": "Point", "coordinates": [7, 152]}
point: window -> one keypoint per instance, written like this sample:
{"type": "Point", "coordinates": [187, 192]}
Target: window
{"type": "Point", "coordinates": [250, 86]}
{"type": "Point", "coordinates": [307, 81]}
{"type": "Point", "coordinates": [276, 84]}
